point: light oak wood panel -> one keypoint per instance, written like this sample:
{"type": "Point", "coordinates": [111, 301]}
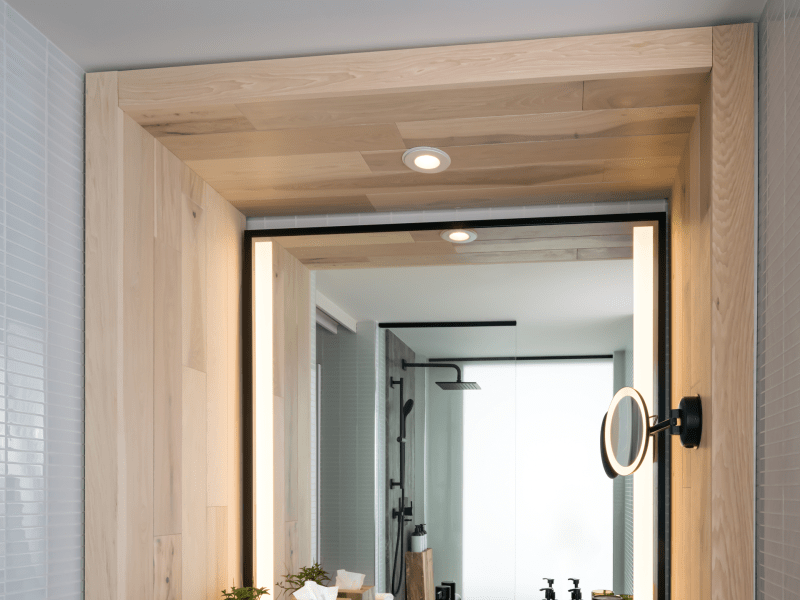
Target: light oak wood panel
{"type": "Point", "coordinates": [285, 142]}
{"type": "Point", "coordinates": [321, 205]}
{"type": "Point", "coordinates": [193, 272]}
{"type": "Point", "coordinates": [217, 578]}
{"type": "Point", "coordinates": [137, 358]}
{"type": "Point", "coordinates": [194, 477]}
{"type": "Point", "coordinates": [638, 92]}
{"type": "Point", "coordinates": [305, 338]}
{"type": "Point", "coordinates": [103, 336]}
{"type": "Point", "coordinates": [413, 249]}
{"type": "Point", "coordinates": [167, 396]}
{"type": "Point", "coordinates": [167, 584]}
{"type": "Point", "coordinates": [425, 105]}
{"type": "Point", "coordinates": [559, 125]}
{"type": "Point", "coordinates": [732, 292]}
{"type": "Point", "coordinates": [479, 197]}
{"type": "Point", "coordinates": [540, 153]}
{"type": "Point", "coordinates": [217, 371]}
{"type": "Point", "coordinates": [349, 239]}
{"type": "Point", "coordinates": [224, 174]}
{"type": "Point", "coordinates": [656, 173]}
{"type": "Point", "coordinates": [219, 118]}
{"type": "Point", "coordinates": [169, 175]}
{"type": "Point", "coordinates": [565, 59]}
{"type": "Point", "coordinates": [691, 360]}
{"type": "Point", "coordinates": [292, 378]}
{"type": "Point", "coordinates": [531, 232]}
{"type": "Point", "coordinates": [544, 243]}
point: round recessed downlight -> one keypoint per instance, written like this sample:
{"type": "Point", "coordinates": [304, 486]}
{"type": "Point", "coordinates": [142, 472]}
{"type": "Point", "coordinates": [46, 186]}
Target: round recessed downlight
{"type": "Point", "coordinates": [426, 160]}
{"type": "Point", "coordinates": [459, 236]}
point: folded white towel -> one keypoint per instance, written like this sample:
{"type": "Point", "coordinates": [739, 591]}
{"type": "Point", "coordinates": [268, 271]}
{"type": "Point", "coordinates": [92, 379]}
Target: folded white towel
{"type": "Point", "coordinates": [313, 591]}
{"type": "Point", "coordinates": [349, 581]}
{"type": "Point", "coordinates": [384, 597]}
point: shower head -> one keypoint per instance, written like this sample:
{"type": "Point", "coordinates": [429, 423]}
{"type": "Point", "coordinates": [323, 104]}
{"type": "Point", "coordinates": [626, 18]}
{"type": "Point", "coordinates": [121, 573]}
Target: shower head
{"type": "Point", "coordinates": [453, 386]}
{"type": "Point", "coordinates": [407, 407]}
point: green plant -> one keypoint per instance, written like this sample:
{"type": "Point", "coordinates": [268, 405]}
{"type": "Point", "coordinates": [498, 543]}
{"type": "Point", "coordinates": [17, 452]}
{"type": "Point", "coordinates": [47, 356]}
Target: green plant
{"type": "Point", "coordinates": [244, 593]}
{"type": "Point", "coordinates": [293, 582]}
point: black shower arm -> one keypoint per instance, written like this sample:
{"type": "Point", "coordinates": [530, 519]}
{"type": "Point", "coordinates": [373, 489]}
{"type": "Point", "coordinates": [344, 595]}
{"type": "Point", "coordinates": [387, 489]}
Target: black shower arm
{"type": "Point", "coordinates": [428, 365]}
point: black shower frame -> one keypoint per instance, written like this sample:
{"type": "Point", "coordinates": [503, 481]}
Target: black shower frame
{"type": "Point", "coordinates": [662, 527]}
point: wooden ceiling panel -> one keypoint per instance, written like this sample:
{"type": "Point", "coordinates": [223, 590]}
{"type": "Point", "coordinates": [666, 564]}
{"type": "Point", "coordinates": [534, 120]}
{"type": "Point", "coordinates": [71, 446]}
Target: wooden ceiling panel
{"type": "Point", "coordinates": [519, 196]}
{"type": "Point", "coordinates": [539, 153]}
{"type": "Point", "coordinates": [286, 142]}
{"type": "Point", "coordinates": [546, 243]}
{"type": "Point", "coordinates": [270, 171]}
{"type": "Point", "coordinates": [321, 205]}
{"type": "Point", "coordinates": [577, 58]}
{"type": "Point", "coordinates": [350, 239]}
{"type": "Point", "coordinates": [638, 92]}
{"type": "Point", "coordinates": [586, 119]}
{"type": "Point", "coordinates": [412, 106]}
{"type": "Point", "coordinates": [190, 121]}
{"type": "Point", "coordinates": [589, 241]}
{"type": "Point", "coordinates": [549, 126]}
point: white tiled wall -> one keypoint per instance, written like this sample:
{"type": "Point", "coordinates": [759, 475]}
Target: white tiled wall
{"type": "Point", "coordinates": [470, 214]}
{"type": "Point", "coordinates": [778, 371]}
{"type": "Point", "coordinates": [41, 317]}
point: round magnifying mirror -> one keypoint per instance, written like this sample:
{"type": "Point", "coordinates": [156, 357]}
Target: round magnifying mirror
{"type": "Point", "coordinates": [626, 432]}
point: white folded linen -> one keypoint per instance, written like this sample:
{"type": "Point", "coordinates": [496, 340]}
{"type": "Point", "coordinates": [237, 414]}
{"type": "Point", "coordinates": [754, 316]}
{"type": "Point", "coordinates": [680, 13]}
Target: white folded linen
{"type": "Point", "coordinates": [349, 581]}
{"type": "Point", "coordinates": [314, 591]}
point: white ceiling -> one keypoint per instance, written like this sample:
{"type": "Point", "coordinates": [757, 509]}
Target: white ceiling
{"type": "Point", "coordinates": [114, 34]}
{"type": "Point", "coordinates": [579, 307]}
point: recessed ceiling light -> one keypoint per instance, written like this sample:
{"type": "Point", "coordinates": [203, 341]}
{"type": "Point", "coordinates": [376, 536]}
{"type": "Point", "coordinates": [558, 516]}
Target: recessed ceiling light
{"type": "Point", "coordinates": [459, 236]}
{"type": "Point", "coordinates": [426, 160]}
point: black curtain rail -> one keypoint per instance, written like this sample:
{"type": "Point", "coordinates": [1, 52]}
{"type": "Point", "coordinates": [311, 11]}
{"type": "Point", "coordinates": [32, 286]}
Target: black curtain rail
{"type": "Point", "coordinates": [448, 324]}
{"type": "Point", "coordinates": [514, 358]}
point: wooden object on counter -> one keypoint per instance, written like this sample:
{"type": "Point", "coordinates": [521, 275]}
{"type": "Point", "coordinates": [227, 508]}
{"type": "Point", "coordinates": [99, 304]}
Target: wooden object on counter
{"type": "Point", "coordinates": [419, 575]}
{"type": "Point", "coordinates": [366, 592]}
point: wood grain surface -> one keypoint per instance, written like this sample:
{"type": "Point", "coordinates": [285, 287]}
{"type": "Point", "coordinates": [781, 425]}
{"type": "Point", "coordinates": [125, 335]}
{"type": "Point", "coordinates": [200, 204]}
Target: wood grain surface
{"type": "Point", "coordinates": [318, 135]}
{"type": "Point", "coordinates": [532, 61]}
{"type": "Point", "coordinates": [167, 584]}
{"type": "Point", "coordinates": [103, 334]}
{"type": "Point", "coordinates": [732, 293]}
{"type": "Point", "coordinates": [137, 358]}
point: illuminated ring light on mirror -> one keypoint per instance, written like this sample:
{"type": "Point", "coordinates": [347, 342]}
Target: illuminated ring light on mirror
{"type": "Point", "coordinates": [616, 466]}
{"type": "Point", "coordinates": [426, 160]}
{"type": "Point", "coordinates": [459, 236]}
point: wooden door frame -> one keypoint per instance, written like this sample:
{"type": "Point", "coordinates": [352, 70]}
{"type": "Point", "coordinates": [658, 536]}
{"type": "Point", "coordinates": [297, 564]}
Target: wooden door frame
{"type": "Point", "coordinates": [723, 168]}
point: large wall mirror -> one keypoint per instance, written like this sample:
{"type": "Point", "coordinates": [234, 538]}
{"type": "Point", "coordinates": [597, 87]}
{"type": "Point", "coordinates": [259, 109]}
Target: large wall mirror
{"type": "Point", "coordinates": [405, 380]}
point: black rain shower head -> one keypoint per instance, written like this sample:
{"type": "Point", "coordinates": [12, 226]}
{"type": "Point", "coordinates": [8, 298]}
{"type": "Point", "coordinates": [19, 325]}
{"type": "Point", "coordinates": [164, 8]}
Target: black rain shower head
{"type": "Point", "coordinates": [453, 386]}
{"type": "Point", "coordinates": [450, 386]}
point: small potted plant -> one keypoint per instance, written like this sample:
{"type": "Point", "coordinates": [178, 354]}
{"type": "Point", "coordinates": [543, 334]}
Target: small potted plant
{"type": "Point", "coordinates": [293, 582]}
{"type": "Point", "coordinates": [244, 593]}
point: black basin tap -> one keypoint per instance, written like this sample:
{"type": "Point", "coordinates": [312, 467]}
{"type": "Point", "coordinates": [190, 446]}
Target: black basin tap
{"type": "Point", "coordinates": [549, 592]}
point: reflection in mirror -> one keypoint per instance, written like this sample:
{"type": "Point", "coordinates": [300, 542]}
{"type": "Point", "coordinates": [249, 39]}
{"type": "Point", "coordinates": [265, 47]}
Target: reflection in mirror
{"type": "Point", "coordinates": [626, 431]}
{"type": "Point", "coordinates": [503, 479]}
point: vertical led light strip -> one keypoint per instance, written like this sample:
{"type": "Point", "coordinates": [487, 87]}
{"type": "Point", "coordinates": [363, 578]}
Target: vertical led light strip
{"type": "Point", "coordinates": [263, 465]}
{"type": "Point", "coordinates": [645, 369]}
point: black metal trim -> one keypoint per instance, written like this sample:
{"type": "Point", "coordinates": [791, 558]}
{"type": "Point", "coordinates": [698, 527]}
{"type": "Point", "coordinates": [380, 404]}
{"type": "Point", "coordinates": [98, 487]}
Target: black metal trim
{"type": "Point", "coordinates": [662, 483]}
{"type": "Point", "coordinates": [422, 324]}
{"type": "Point", "coordinates": [247, 413]}
{"type": "Point", "coordinates": [515, 358]}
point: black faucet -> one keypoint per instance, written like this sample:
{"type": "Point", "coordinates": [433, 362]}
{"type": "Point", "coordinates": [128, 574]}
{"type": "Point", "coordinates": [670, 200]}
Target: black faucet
{"type": "Point", "coordinates": [575, 592]}
{"type": "Point", "coordinates": [549, 592]}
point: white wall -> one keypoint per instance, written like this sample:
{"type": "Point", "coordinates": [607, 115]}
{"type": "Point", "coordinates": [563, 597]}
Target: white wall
{"type": "Point", "coordinates": [41, 317]}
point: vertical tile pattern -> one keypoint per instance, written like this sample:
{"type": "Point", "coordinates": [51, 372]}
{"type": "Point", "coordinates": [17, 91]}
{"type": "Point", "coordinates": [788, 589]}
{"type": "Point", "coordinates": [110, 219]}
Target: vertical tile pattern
{"type": "Point", "coordinates": [778, 346]}
{"type": "Point", "coordinates": [347, 457]}
{"type": "Point", "coordinates": [41, 316]}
